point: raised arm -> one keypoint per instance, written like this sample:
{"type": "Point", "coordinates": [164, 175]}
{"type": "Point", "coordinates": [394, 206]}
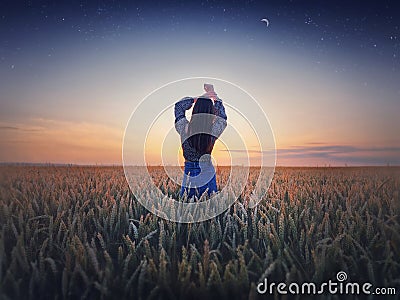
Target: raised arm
{"type": "Point", "coordinates": [220, 123]}
{"type": "Point", "coordinates": [180, 108]}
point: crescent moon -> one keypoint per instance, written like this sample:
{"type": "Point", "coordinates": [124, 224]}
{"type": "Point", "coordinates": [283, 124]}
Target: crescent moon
{"type": "Point", "coordinates": [266, 21]}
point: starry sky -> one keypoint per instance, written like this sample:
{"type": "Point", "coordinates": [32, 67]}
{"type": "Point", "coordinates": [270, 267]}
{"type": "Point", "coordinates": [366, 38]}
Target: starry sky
{"type": "Point", "coordinates": [326, 73]}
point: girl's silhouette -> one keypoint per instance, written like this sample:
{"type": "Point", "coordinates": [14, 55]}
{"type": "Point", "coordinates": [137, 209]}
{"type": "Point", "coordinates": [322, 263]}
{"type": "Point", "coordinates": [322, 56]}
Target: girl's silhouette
{"type": "Point", "coordinates": [198, 137]}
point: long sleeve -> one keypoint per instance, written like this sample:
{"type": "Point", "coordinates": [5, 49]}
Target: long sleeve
{"type": "Point", "coordinates": [180, 108]}
{"type": "Point", "coordinates": [220, 109]}
{"type": "Point", "coordinates": [220, 123]}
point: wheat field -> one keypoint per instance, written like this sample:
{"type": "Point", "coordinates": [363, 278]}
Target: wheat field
{"type": "Point", "coordinates": [77, 232]}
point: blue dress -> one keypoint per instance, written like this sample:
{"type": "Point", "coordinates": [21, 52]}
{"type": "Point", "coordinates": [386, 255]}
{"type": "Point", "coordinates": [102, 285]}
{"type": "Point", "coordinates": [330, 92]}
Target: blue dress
{"type": "Point", "coordinates": [198, 177]}
{"type": "Point", "coordinates": [199, 173]}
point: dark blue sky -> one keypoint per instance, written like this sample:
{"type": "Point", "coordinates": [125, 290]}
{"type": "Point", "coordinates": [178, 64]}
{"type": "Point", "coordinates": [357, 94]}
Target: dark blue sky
{"type": "Point", "coordinates": [317, 66]}
{"type": "Point", "coordinates": [367, 28]}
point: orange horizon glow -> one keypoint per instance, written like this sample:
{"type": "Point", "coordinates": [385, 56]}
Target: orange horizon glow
{"type": "Point", "coordinates": [50, 141]}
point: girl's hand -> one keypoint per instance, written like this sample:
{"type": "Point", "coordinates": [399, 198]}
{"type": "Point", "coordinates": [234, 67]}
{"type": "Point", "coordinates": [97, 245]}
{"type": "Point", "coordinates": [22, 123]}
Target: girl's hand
{"type": "Point", "coordinates": [209, 87]}
{"type": "Point", "coordinates": [212, 95]}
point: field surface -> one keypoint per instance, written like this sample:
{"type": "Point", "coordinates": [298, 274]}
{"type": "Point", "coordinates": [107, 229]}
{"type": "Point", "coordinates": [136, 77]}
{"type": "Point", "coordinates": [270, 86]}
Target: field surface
{"type": "Point", "coordinates": [78, 233]}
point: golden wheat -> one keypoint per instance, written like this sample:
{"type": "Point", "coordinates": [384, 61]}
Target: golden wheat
{"type": "Point", "coordinates": [78, 232]}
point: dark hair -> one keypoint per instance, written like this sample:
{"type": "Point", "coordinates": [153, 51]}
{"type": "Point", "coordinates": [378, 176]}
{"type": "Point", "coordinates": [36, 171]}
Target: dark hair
{"type": "Point", "coordinates": [202, 142]}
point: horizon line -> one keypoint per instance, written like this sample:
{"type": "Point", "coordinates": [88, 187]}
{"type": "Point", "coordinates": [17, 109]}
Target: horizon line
{"type": "Point", "coordinates": [160, 165]}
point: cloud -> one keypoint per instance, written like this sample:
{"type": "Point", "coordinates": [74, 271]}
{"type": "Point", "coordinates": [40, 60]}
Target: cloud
{"type": "Point", "coordinates": [244, 151]}
{"type": "Point", "coordinates": [315, 143]}
{"type": "Point", "coordinates": [19, 127]}
{"type": "Point", "coordinates": [60, 141]}
{"type": "Point", "coordinates": [333, 154]}
{"type": "Point", "coordinates": [336, 149]}
{"type": "Point", "coordinates": [9, 128]}
{"type": "Point", "coordinates": [343, 154]}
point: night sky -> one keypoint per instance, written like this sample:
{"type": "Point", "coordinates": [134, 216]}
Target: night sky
{"type": "Point", "coordinates": [327, 73]}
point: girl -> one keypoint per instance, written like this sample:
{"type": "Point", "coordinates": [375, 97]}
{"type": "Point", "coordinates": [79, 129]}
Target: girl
{"type": "Point", "coordinates": [198, 137]}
